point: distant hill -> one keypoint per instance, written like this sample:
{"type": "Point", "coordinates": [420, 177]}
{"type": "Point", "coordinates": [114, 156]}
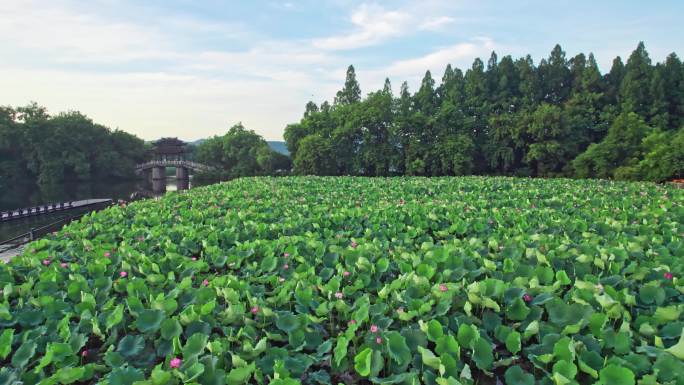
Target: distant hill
{"type": "Point", "coordinates": [278, 146]}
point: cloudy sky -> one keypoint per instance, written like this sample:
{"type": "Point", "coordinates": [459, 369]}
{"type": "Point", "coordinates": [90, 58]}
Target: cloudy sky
{"type": "Point", "coordinates": [192, 68]}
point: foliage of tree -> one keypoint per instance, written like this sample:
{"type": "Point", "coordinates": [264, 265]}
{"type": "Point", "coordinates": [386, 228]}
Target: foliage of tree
{"type": "Point", "coordinates": [507, 116]}
{"type": "Point", "coordinates": [240, 152]}
{"type": "Point", "coordinates": [69, 146]}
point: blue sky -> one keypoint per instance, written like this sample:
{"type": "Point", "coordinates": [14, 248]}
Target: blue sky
{"type": "Point", "coordinates": [192, 68]}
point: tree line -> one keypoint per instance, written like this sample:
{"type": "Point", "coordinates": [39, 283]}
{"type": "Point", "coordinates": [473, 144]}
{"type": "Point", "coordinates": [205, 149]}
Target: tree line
{"type": "Point", "coordinates": [562, 117]}
{"type": "Point", "coordinates": [240, 152]}
{"type": "Point", "coordinates": [35, 146]}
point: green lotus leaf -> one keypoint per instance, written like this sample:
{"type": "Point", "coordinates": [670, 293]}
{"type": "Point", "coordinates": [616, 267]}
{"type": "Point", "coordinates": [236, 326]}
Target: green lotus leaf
{"type": "Point", "coordinates": [340, 350]}
{"type": "Point", "coordinates": [590, 362]}
{"type": "Point", "coordinates": [149, 320]}
{"type": "Point", "coordinates": [285, 381]}
{"type": "Point", "coordinates": [677, 349]}
{"type": "Point", "coordinates": [667, 314]}
{"type": "Point", "coordinates": [541, 299]}
{"type": "Point", "coordinates": [114, 359]}
{"type": "Point", "coordinates": [160, 376]}
{"type": "Point", "coordinates": [55, 352]}
{"type": "Point", "coordinates": [564, 349]}
{"type": "Point", "coordinates": [668, 368]}
{"type": "Point", "coordinates": [429, 358]}
{"type": "Point", "coordinates": [362, 362]}
{"type": "Point", "coordinates": [192, 372]}
{"type": "Point", "coordinates": [171, 328]}
{"type": "Point", "coordinates": [131, 345]}
{"type": "Point", "coordinates": [287, 322]}
{"type": "Point", "coordinates": [517, 311]}
{"type": "Point", "coordinates": [239, 376]}
{"type": "Point", "coordinates": [269, 263]}
{"type": "Point", "coordinates": [448, 345]}
{"type": "Point", "coordinates": [649, 294]}
{"type": "Point", "coordinates": [596, 323]}
{"type": "Point", "coordinates": [398, 350]}
{"type": "Point", "coordinates": [125, 376]}
{"type": "Point", "coordinates": [434, 330]}
{"type": "Point", "coordinates": [321, 377]}
{"type": "Point", "coordinates": [467, 335]}
{"type": "Point", "coordinates": [195, 345]}
{"type": "Point", "coordinates": [513, 343]}
{"type": "Point", "coordinates": [613, 374]}
{"type": "Point", "coordinates": [6, 343]}
{"type": "Point", "coordinates": [515, 375]}
{"type": "Point", "coordinates": [562, 278]}
{"type": "Point", "coordinates": [22, 355]}
{"type": "Point", "coordinates": [394, 379]}
{"type": "Point", "coordinates": [324, 348]}
{"type": "Point", "coordinates": [482, 354]}
{"type": "Point", "coordinates": [69, 375]}
{"type": "Point", "coordinates": [566, 369]}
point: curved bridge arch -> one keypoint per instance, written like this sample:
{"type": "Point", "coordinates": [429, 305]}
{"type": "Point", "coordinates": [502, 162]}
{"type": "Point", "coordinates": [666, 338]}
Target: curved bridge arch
{"type": "Point", "coordinates": [172, 163]}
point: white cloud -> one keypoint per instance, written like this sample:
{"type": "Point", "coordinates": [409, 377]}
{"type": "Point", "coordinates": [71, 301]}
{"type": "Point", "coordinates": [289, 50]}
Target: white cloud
{"type": "Point", "coordinates": [373, 24]}
{"type": "Point", "coordinates": [74, 36]}
{"type": "Point", "coordinates": [146, 76]}
{"type": "Point", "coordinates": [436, 23]}
{"type": "Point", "coordinates": [461, 55]}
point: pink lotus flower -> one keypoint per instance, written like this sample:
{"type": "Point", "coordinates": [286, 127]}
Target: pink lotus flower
{"type": "Point", "coordinates": [286, 266]}
{"type": "Point", "coordinates": [527, 298]}
{"type": "Point", "coordinates": [378, 340]}
{"type": "Point", "coordinates": [374, 328]}
{"type": "Point", "coordinates": [175, 363]}
{"type": "Point", "coordinates": [46, 262]}
{"type": "Point", "coordinates": [354, 244]}
{"type": "Point", "coordinates": [443, 287]}
{"type": "Point", "coordinates": [339, 295]}
{"type": "Point", "coordinates": [205, 282]}
{"type": "Point", "coordinates": [667, 275]}
{"type": "Point", "coordinates": [352, 322]}
{"type": "Point", "coordinates": [64, 265]}
{"type": "Point", "coordinates": [286, 255]}
{"type": "Point", "coordinates": [123, 274]}
{"type": "Point", "coordinates": [254, 309]}
{"type": "Point", "coordinates": [194, 258]}
{"type": "Point", "coordinates": [106, 254]}
{"type": "Point", "coordinates": [346, 274]}
{"type": "Point", "coordinates": [84, 353]}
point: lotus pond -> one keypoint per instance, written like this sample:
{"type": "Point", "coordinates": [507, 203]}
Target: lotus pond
{"type": "Point", "coordinates": [357, 280]}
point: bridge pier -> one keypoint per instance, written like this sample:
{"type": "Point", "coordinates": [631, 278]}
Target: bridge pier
{"type": "Point", "coordinates": [182, 173]}
{"type": "Point", "coordinates": [158, 186]}
{"type": "Point", "coordinates": [158, 172]}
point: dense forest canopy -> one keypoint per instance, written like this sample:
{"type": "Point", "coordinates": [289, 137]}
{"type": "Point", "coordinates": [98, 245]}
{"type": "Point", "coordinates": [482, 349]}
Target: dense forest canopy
{"type": "Point", "coordinates": [64, 147]}
{"type": "Point", "coordinates": [562, 117]}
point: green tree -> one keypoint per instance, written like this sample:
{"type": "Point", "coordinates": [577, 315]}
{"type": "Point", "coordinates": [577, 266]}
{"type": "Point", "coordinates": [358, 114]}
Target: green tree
{"type": "Point", "coordinates": [351, 93]}
{"type": "Point", "coordinates": [635, 85]}
{"type": "Point", "coordinates": [240, 152]}
{"type": "Point", "coordinates": [619, 151]}
{"type": "Point", "coordinates": [313, 157]}
{"type": "Point", "coordinates": [547, 152]}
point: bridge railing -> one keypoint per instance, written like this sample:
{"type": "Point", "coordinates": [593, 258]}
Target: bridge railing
{"type": "Point", "coordinates": [173, 163]}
